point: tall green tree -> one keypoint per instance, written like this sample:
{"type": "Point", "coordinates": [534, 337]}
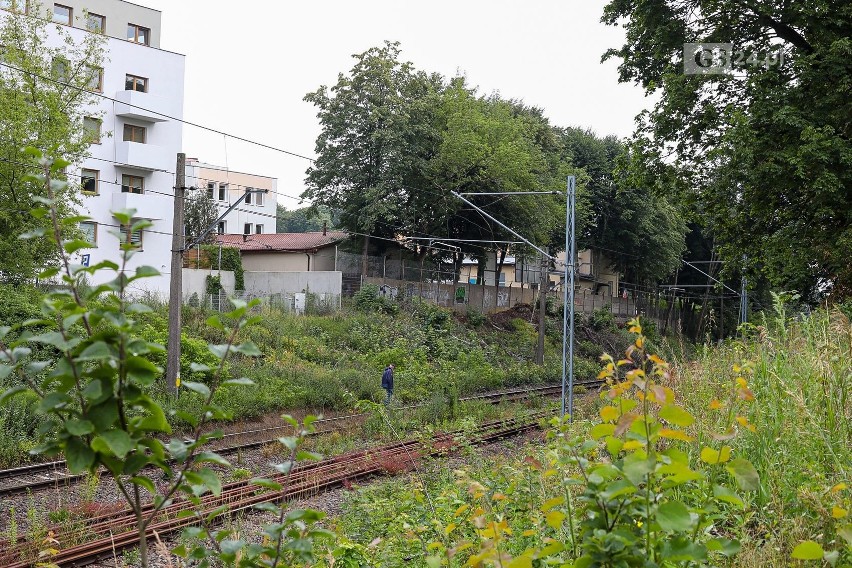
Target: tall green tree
{"type": "Point", "coordinates": [764, 150]}
{"type": "Point", "coordinates": [371, 146]}
{"type": "Point", "coordinates": [304, 219]}
{"type": "Point", "coordinates": [45, 93]}
{"type": "Point", "coordinates": [631, 218]}
{"type": "Point", "coordinates": [200, 211]}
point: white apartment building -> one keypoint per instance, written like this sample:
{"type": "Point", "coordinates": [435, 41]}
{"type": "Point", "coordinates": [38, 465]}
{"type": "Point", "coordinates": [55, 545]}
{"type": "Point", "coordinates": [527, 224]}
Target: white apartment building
{"type": "Point", "coordinates": [255, 215]}
{"type": "Point", "coordinates": [133, 165]}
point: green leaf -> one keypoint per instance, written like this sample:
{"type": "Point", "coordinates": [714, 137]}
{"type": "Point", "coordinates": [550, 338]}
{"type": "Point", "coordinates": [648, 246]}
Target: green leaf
{"type": "Point", "coordinates": [676, 415]}
{"type": "Point", "coordinates": [269, 484]}
{"type": "Point", "coordinates": [211, 480]}
{"type": "Point", "coordinates": [77, 427]}
{"type": "Point", "coordinates": [142, 370]}
{"type": "Point", "coordinates": [808, 550]}
{"type": "Point", "coordinates": [245, 381]}
{"type": "Point", "coordinates": [155, 420]}
{"type": "Point", "coordinates": [200, 388]}
{"type": "Point", "coordinates": [9, 393]}
{"type": "Point", "coordinates": [211, 457]}
{"type": "Point", "coordinates": [673, 516]}
{"type": "Point", "coordinates": [146, 272]}
{"type": "Point", "coordinates": [247, 348]}
{"type": "Point", "coordinates": [53, 401]}
{"type": "Point", "coordinates": [97, 351]}
{"type": "Point", "coordinates": [725, 546]}
{"type": "Point", "coordinates": [601, 430]}
{"type": "Point", "coordinates": [726, 495]}
{"type": "Point", "coordinates": [74, 245]}
{"type": "Point", "coordinates": [747, 477]}
{"type": "Point", "coordinates": [681, 549]}
{"type": "Point", "coordinates": [117, 442]}
{"type": "Point", "coordinates": [144, 482]}
{"type": "Point", "coordinates": [216, 323]}
{"type": "Point", "coordinates": [78, 455]}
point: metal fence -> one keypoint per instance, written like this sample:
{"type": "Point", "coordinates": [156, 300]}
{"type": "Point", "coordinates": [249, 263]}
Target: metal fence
{"type": "Point", "coordinates": [291, 302]}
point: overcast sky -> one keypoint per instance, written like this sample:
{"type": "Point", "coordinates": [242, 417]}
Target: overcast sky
{"type": "Point", "coordinates": [250, 63]}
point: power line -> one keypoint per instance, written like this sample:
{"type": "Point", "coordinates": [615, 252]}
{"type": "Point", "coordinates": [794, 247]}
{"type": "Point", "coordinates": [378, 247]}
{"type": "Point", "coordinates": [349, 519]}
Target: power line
{"type": "Point", "coordinates": [196, 125]}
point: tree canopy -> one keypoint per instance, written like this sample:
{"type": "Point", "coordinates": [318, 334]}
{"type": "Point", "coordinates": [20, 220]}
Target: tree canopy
{"type": "Point", "coordinates": [763, 151]}
{"type": "Point", "coordinates": [396, 142]}
{"type": "Point", "coordinates": [44, 94]}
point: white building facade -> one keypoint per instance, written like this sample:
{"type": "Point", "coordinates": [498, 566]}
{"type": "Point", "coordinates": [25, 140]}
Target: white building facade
{"type": "Point", "coordinates": [139, 120]}
{"type": "Point", "coordinates": [255, 215]}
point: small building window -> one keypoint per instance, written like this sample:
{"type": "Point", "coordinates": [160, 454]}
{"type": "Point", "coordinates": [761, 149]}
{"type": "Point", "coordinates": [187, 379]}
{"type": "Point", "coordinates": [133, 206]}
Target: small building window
{"type": "Point", "coordinates": [95, 23]}
{"type": "Point", "coordinates": [258, 229]}
{"type": "Point", "coordinates": [222, 227]}
{"type": "Point", "coordinates": [59, 69]}
{"type": "Point", "coordinates": [92, 126]}
{"type": "Point", "coordinates": [96, 79]}
{"type": "Point", "coordinates": [62, 14]}
{"type": "Point", "coordinates": [15, 5]}
{"type": "Point", "coordinates": [258, 199]}
{"type": "Point", "coordinates": [135, 237]}
{"type": "Point", "coordinates": [211, 187]}
{"type": "Point", "coordinates": [223, 192]}
{"type": "Point", "coordinates": [132, 184]}
{"type": "Point", "coordinates": [134, 133]}
{"type": "Point", "coordinates": [134, 83]}
{"type": "Point", "coordinates": [89, 181]}
{"type": "Point", "coordinates": [247, 229]}
{"type": "Point", "coordinates": [90, 232]}
{"type": "Point", "coordinates": [138, 34]}
{"type": "Point", "coordinates": [248, 195]}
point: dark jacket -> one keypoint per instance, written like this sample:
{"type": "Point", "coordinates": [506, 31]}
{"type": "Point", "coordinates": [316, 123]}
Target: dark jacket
{"type": "Point", "coordinates": [387, 379]}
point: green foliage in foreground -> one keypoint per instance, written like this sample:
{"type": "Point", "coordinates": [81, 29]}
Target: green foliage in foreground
{"type": "Point", "coordinates": [708, 461]}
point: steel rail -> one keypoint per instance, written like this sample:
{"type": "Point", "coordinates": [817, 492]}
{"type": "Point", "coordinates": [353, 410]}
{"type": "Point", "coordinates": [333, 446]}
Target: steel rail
{"type": "Point", "coordinates": [67, 479]}
{"type": "Point", "coordinates": [241, 495]}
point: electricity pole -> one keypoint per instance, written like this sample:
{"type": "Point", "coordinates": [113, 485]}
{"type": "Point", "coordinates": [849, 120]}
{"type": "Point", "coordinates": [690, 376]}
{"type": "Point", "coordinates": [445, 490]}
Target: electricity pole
{"type": "Point", "coordinates": [176, 279]}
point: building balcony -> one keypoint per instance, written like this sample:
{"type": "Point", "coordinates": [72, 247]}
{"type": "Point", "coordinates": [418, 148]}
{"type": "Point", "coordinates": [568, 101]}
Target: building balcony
{"type": "Point", "coordinates": [143, 104]}
{"type": "Point", "coordinates": [143, 156]}
{"type": "Point", "coordinates": [147, 205]}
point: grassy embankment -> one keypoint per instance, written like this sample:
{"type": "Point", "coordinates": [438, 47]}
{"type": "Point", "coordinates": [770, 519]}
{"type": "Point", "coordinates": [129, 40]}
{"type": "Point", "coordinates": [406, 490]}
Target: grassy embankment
{"type": "Point", "coordinates": [801, 447]}
{"type": "Point", "coordinates": [326, 362]}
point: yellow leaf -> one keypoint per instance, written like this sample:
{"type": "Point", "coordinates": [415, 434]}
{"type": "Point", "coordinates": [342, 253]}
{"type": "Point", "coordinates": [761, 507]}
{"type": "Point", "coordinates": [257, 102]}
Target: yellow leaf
{"type": "Point", "coordinates": [603, 374]}
{"type": "Point", "coordinates": [743, 421]}
{"type": "Point", "coordinates": [554, 519]}
{"type": "Point", "coordinates": [631, 445]}
{"type": "Point", "coordinates": [715, 405]}
{"type": "Point", "coordinates": [434, 545]}
{"type": "Point", "coordinates": [551, 503]}
{"type": "Point", "coordinates": [838, 513]}
{"type": "Point", "coordinates": [640, 341]}
{"type": "Point", "coordinates": [461, 510]}
{"type": "Point", "coordinates": [741, 382]}
{"type": "Point", "coordinates": [625, 362]}
{"type": "Point", "coordinates": [675, 435]}
{"type": "Point", "coordinates": [656, 359]}
{"type": "Point", "coordinates": [549, 473]}
{"type": "Point", "coordinates": [635, 328]}
{"type": "Point", "coordinates": [529, 532]}
{"type": "Point", "coordinates": [709, 455]}
{"type": "Point", "coordinates": [498, 497]}
{"type": "Point", "coordinates": [609, 413]}
{"type": "Point", "coordinates": [839, 487]}
{"type": "Point", "coordinates": [520, 562]}
{"type": "Point", "coordinates": [450, 528]}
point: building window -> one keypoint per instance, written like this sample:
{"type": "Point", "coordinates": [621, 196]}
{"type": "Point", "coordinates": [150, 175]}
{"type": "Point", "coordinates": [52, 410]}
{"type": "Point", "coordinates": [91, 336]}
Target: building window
{"type": "Point", "coordinates": [248, 195]}
{"type": "Point", "coordinates": [59, 69]}
{"type": "Point", "coordinates": [134, 133]}
{"type": "Point", "coordinates": [134, 83]}
{"type": "Point", "coordinates": [135, 237]}
{"type": "Point", "coordinates": [247, 229]}
{"type": "Point", "coordinates": [223, 192]}
{"type": "Point", "coordinates": [62, 14]}
{"type": "Point", "coordinates": [15, 5]}
{"type": "Point", "coordinates": [138, 34]}
{"type": "Point", "coordinates": [211, 187]}
{"type": "Point", "coordinates": [96, 23]}
{"type": "Point", "coordinates": [258, 199]}
{"type": "Point", "coordinates": [89, 181]}
{"type": "Point", "coordinates": [132, 184]}
{"type": "Point", "coordinates": [258, 229]}
{"type": "Point", "coordinates": [96, 79]}
{"type": "Point", "coordinates": [222, 227]}
{"type": "Point", "coordinates": [90, 232]}
{"type": "Point", "coordinates": [92, 126]}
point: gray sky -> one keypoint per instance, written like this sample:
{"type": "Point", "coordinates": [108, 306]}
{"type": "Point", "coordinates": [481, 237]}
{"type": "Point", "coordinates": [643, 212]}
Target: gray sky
{"type": "Point", "coordinates": [250, 63]}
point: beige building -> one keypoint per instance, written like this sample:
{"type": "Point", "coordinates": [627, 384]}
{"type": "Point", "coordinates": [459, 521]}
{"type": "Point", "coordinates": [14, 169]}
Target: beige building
{"type": "Point", "coordinates": [287, 252]}
{"type": "Point", "coordinates": [255, 215]}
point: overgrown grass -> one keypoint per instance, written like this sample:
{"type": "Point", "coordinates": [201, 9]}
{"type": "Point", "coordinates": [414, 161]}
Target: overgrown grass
{"type": "Point", "coordinates": [801, 447]}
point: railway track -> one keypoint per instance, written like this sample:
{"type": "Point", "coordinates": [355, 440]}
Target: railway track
{"type": "Point", "coordinates": [35, 477]}
{"type": "Point", "coordinates": [107, 533]}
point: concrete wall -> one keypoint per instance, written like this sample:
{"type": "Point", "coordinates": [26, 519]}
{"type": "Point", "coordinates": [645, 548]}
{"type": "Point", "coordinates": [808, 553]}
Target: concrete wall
{"type": "Point", "coordinates": [268, 283]}
{"type": "Point", "coordinates": [322, 261]}
{"type": "Point", "coordinates": [117, 13]}
{"type": "Point", "coordinates": [195, 281]}
{"type": "Point", "coordinates": [458, 296]}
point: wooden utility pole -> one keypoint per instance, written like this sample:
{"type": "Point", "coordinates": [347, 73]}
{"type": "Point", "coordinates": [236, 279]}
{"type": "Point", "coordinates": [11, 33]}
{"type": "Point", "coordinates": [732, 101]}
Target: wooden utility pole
{"type": "Point", "coordinates": [176, 278]}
